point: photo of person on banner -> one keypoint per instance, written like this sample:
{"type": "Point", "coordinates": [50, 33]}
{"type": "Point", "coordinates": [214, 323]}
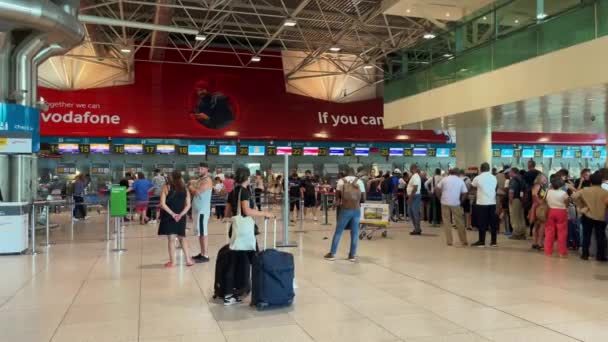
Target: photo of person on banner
{"type": "Point", "coordinates": [210, 108]}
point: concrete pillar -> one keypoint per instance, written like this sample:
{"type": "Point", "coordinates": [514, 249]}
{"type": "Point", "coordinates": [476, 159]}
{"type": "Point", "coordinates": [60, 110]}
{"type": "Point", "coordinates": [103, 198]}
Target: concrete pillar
{"type": "Point", "coordinates": [473, 139]}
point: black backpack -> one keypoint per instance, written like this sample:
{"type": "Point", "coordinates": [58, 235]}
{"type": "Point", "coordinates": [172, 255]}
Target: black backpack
{"type": "Point", "coordinates": [385, 186]}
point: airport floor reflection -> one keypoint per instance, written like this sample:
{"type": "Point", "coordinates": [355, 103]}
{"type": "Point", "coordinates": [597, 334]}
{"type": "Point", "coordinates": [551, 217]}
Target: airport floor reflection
{"type": "Point", "coordinates": [402, 288]}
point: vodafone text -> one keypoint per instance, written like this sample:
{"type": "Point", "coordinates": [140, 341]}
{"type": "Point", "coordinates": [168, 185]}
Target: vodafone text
{"type": "Point", "coordinates": [350, 119]}
{"type": "Point", "coordinates": [84, 118]}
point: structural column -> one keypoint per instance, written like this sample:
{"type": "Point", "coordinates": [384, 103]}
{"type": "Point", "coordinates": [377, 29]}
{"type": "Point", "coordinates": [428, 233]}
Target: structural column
{"type": "Point", "coordinates": [473, 139]}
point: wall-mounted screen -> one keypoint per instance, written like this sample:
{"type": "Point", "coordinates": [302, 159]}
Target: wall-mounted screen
{"type": "Point", "coordinates": [336, 151]}
{"type": "Point", "coordinates": [548, 153]}
{"type": "Point", "coordinates": [68, 148]}
{"type": "Point", "coordinates": [311, 151]}
{"type": "Point", "coordinates": [527, 153]}
{"type": "Point", "coordinates": [197, 150]}
{"type": "Point", "coordinates": [568, 154]}
{"type": "Point", "coordinates": [165, 149]}
{"type": "Point", "coordinates": [284, 150]}
{"type": "Point", "coordinates": [361, 151]}
{"type": "Point", "coordinates": [257, 150]}
{"type": "Point", "coordinates": [419, 152]}
{"type": "Point", "coordinates": [506, 153]}
{"type": "Point", "coordinates": [100, 148]}
{"type": "Point", "coordinates": [395, 152]}
{"type": "Point", "coordinates": [227, 150]}
{"type": "Point", "coordinates": [134, 149]}
{"type": "Point", "coordinates": [587, 154]}
{"type": "Point", "coordinates": [443, 152]}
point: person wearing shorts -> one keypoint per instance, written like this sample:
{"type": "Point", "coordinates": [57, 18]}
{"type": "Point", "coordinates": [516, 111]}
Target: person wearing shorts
{"type": "Point", "coordinates": [294, 195]}
{"type": "Point", "coordinates": [141, 187]}
{"type": "Point", "coordinates": [201, 190]}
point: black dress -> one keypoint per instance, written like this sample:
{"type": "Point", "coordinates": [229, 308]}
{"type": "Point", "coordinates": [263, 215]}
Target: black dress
{"type": "Point", "coordinates": [176, 201]}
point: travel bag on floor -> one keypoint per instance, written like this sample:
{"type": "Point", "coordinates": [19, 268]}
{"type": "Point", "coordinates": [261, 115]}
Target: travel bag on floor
{"type": "Point", "coordinates": [272, 276]}
{"type": "Point", "coordinates": [232, 267]}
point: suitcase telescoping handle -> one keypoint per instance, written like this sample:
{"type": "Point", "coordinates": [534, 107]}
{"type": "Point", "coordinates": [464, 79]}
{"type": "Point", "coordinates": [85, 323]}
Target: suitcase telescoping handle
{"type": "Point", "coordinates": [274, 239]}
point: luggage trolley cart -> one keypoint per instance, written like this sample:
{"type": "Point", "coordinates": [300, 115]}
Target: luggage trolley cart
{"type": "Point", "coordinates": [374, 217]}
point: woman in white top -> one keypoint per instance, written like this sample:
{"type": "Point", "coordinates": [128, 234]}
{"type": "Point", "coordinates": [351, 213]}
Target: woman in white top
{"type": "Point", "coordinates": [557, 219]}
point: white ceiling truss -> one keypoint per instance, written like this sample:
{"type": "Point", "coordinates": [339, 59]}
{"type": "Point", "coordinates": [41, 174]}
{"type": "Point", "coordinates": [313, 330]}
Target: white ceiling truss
{"type": "Point", "coordinates": [245, 28]}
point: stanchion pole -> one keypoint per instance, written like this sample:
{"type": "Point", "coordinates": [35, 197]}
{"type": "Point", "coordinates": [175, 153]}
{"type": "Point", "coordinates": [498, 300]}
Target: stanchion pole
{"type": "Point", "coordinates": [325, 209]}
{"type": "Point", "coordinates": [286, 242]}
{"type": "Point", "coordinates": [33, 230]}
{"type": "Point", "coordinates": [108, 221]}
{"type": "Point", "coordinates": [301, 217]}
{"type": "Point", "coordinates": [119, 236]}
{"type": "Point", "coordinates": [47, 225]}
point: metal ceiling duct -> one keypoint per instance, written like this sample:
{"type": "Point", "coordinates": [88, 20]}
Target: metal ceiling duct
{"type": "Point", "coordinates": [5, 57]}
{"type": "Point", "coordinates": [41, 56]}
{"type": "Point", "coordinates": [23, 56]}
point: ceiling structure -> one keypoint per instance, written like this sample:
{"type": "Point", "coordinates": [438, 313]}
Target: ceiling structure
{"type": "Point", "coordinates": [366, 32]}
{"type": "Point", "coordinates": [574, 111]}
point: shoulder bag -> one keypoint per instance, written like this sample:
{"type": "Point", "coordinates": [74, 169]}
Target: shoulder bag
{"type": "Point", "coordinates": [243, 230]}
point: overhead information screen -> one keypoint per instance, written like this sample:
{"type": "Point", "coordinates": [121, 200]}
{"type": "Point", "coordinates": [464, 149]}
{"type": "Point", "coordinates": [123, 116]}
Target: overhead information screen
{"type": "Point", "coordinates": [284, 150]}
{"type": "Point", "coordinates": [134, 149]}
{"type": "Point", "coordinates": [336, 151]}
{"type": "Point", "coordinates": [587, 154]}
{"type": "Point", "coordinates": [527, 153]}
{"type": "Point", "coordinates": [311, 151]}
{"type": "Point", "coordinates": [227, 150]}
{"type": "Point", "coordinates": [100, 148]}
{"type": "Point", "coordinates": [197, 150]}
{"type": "Point", "coordinates": [395, 152]}
{"type": "Point", "coordinates": [443, 152]}
{"type": "Point", "coordinates": [361, 151]}
{"type": "Point", "coordinates": [548, 153]}
{"type": "Point", "coordinates": [419, 152]}
{"type": "Point", "coordinates": [257, 150]}
{"type": "Point", "coordinates": [568, 154]}
{"type": "Point", "coordinates": [506, 153]}
{"type": "Point", "coordinates": [68, 148]}
{"type": "Point", "coordinates": [165, 149]}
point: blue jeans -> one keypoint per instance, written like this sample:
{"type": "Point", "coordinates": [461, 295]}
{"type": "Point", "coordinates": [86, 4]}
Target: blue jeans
{"type": "Point", "coordinates": [414, 210]}
{"type": "Point", "coordinates": [347, 217]}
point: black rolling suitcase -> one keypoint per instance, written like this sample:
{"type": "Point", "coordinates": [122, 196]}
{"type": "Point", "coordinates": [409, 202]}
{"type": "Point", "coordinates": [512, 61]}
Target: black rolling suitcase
{"type": "Point", "coordinates": [272, 276]}
{"type": "Point", "coordinates": [240, 275]}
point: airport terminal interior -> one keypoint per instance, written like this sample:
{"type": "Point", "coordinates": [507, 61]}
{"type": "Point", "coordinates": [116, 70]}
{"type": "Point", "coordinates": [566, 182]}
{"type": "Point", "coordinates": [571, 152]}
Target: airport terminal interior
{"type": "Point", "coordinates": [303, 170]}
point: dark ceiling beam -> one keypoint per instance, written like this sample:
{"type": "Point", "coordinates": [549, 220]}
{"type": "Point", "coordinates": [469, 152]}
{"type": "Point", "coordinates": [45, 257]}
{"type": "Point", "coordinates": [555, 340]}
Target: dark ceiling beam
{"type": "Point", "coordinates": [162, 16]}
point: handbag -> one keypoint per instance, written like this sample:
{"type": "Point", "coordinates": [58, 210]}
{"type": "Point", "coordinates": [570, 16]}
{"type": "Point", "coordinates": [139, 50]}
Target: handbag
{"type": "Point", "coordinates": [541, 210]}
{"type": "Point", "coordinates": [243, 231]}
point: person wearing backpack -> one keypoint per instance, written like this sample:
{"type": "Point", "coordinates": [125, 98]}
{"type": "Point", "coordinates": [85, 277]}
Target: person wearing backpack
{"type": "Point", "coordinates": [350, 193]}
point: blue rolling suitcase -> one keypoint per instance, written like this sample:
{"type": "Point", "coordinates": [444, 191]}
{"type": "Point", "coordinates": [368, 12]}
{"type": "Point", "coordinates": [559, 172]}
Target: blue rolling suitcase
{"type": "Point", "coordinates": [272, 276]}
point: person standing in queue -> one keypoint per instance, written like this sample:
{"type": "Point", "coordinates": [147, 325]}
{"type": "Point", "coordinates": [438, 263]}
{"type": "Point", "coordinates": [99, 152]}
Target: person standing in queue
{"type": "Point", "coordinates": [413, 189]}
{"type": "Point", "coordinates": [153, 207]}
{"type": "Point", "coordinates": [309, 193]}
{"type": "Point", "coordinates": [80, 209]}
{"type": "Point", "coordinates": [591, 201]}
{"type": "Point", "coordinates": [259, 189]}
{"type": "Point", "coordinates": [175, 203]}
{"type": "Point", "coordinates": [453, 191]}
{"type": "Point", "coordinates": [485, 207]}
{"type": "Point", "coordinates": [558, 201]}
{"type": "Point", "coordinates": [295, 195]}
{"type": "Point", "coordinates": [517, 188]}
{"type": "Point", "coordinates": [141, 187]}
{"type": "Point", "coordinates": [201, 210]}
{"type": "Point", "coordinates": [350, 193]}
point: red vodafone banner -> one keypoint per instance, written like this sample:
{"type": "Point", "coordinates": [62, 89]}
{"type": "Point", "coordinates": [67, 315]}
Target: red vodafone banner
{"type": "Point", "coordinates": [182, 101]}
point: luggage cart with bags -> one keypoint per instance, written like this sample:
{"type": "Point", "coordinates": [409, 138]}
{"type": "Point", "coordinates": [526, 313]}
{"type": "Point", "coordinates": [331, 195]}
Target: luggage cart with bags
{"type": "Point", "coordinates": [374, 218]}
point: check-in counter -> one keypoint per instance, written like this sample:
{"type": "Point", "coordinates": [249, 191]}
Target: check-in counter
{"type": "Point", "coordinates": [14, 223]}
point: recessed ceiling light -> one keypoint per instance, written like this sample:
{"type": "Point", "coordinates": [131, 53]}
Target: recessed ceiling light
{"type": "Point", "coordinates": [429, 36]}
{"type": "Point", "coordinates": [368, 66]}
{"type": "Point", "coordinates": [485, 18]}
{"type": "Point", "coordinates": [335, 48]}
{"type": "Point", "coordinates": [541, 16]}
{"type": "Point", "coordinates": [321, 135]}
{"type": "Point", "coordinates": [290, 22]}
{"type": "Point", "coordinates": [447, 14]}
{"type": "Point", "coordinates": [448, 55]}
{"type": "Point", "coordinates": [517, 21]}
{"type": "Point", "coordinates": [125, 50]}
{"type": "Point", "coordinates": [402, 137]}
{"type": "Point", "coordinates": [131, 131]}
{"type": "Point", "coordinates": [543, 139]}
{"type": "Point", "coordinates": [231, 134]}
{"type": "Point", "coordinates": [200, 37]}
{"type": "Point", "coordinates": [256, 59]}
{"type": "Point", "coordinates": [408, 10]}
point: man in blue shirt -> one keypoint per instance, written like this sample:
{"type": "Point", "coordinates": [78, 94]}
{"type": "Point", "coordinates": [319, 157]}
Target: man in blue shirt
{"type": "Point", "coordinates": [141, 187]}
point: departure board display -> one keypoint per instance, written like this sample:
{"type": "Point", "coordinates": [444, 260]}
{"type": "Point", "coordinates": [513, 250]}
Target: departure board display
{"type": "Point", "coordinates": [227, 150]}
{"type": "Point", "coordinates": [395, 152]}
{"type": "Point", "coordinates": [256, 150]}
{"type": "Point", "coordinates": [311, 151]}
{"type": "Point", "coordinates": [548, 153]}
{"type": "Point", "coordinates": [100, 148]}
{"type": "Point", "coordinates": [527, 153]}
{"type": "Point", "coordinates": [197, 150]}
{"type": "Point", "coordinates": [420, 152]}
{"type": "Point", "coordinates": [336, 151]}
{"type": "Point", "coordinates": [284, 150]}
{"type": "Point", "coordinates": [361, 151]}
{"type": "Point", "coordinates": [568, 154]}
{"type": "Point", "coordinates": [165, 149]}
{"type": "Point", "coordinates": [135, 148]}
{"type": "Point", "coordinates": [443, 152]}
{"type": "Point", "coordinates": [506, 153]}
{"type": "Point", "coordinates": [68, 148]}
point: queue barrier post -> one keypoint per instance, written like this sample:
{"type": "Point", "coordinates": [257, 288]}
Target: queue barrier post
{"type": "Point", "coordinates": [47, 227]}
{"type": "Point", "coordinates": [325, 209]}
{"type": "Point", "coordinates": [33, 250]}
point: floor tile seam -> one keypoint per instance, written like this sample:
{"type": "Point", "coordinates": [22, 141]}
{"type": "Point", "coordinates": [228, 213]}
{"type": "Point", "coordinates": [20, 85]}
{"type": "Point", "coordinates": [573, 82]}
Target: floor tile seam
{"type": "Point", "coordinates": [476, 301]}
{"type": "Point", "coordinates": [84, 282]}
{"type": "Point", "coordinates": [200, 287]}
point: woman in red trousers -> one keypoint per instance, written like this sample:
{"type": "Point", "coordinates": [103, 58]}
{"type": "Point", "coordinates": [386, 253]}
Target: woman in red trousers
{"type": "Point", "coordinates": [557, 219]}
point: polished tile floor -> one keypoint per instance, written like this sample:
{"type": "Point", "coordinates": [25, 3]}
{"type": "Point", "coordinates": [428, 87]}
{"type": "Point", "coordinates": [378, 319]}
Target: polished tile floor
{"type": "Point", "coordinates": [403, 288]}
